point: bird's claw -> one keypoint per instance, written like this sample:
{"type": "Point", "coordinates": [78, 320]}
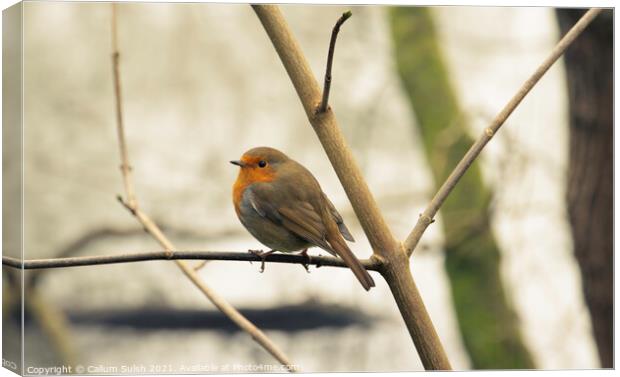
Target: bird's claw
{"type": "Point", "coordinates": [262, 255]}
{"type": "Point", "coordinates": [306, 265]}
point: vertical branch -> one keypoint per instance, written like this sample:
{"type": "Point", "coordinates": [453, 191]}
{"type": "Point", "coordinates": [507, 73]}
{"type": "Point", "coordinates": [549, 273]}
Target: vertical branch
{"type": "Point", "coordinates": [151, 227]}
{"type": "Point", "coordinates": [411, 307]}
{"type": "Point", "coordinates": [330, 58]}
{"type": "Point", "coordinates": [395, 264]}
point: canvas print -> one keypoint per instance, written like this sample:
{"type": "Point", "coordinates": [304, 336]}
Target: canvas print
{"type": "Point", "coordinates": [203, 188]}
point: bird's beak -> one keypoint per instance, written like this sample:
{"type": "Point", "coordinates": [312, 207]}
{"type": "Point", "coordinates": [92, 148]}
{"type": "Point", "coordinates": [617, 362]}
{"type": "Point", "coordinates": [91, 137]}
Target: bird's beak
{"type": "Point", "coordinates": [238, 163]}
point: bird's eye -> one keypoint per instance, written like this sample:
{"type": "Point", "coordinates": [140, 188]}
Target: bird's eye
{"type": "Point", "coordinates": [262, 163]}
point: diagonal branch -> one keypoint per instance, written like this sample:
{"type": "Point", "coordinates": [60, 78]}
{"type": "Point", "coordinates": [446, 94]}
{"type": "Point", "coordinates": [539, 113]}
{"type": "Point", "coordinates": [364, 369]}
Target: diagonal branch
{"type": "Point", "coordinates": [131, 204]}
{"type": "Point", "coordinates": [431, 210]}
{"type": "Point", "coordinates": [318, 261]}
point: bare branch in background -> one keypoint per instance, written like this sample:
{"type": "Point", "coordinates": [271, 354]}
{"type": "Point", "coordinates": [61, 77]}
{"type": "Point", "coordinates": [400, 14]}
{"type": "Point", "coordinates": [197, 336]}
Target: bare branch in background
{"type": "Point", "coordinates": [125, 167]}
{"type": "Point", "coordinates": [431, 210]}
{"type": "Point", "coordinates": [54, 324]}
{"type": "Point", "coordinates": [132, 205]}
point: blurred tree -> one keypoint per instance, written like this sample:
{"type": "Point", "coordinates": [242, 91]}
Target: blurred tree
{"type": "Point", "coordinates": [589, 73]}
{"type": "Point", "coordinates": [489, 326]}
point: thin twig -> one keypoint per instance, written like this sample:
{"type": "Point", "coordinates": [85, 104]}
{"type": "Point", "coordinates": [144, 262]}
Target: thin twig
{"type": "Point", "coordinates": [75, 246]}
{"type": "Point", "coordinates": [96, 260]}
{"type": "Point", "coordinates": [151, 227]}
{"type": "Point", "coordinates": [200, 265]}
{"type": "Point", "coordinates": [330, 57]}
{"type": "Point", "coordinates": [125, 167]}
{"type": "Point", "coordinates": [429, 213]}
{"type": "Point", "coordinates": [227, 309]}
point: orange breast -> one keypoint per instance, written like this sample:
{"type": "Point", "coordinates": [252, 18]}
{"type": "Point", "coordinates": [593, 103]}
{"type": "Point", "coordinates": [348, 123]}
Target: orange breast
{"type": "Point", "coordinates": [247, 176]}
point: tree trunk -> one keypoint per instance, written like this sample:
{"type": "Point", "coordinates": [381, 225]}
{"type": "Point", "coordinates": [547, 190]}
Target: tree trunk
{"type": "Point", "coordinates": [589, 71]}
{"type": "Point", "coordinates": [489, 326]}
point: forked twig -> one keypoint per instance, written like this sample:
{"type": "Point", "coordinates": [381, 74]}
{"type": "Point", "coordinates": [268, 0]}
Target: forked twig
{"type": "Point", "coordinates": [152, 228]}
{"type": "Point", "coordinates": [330, 57]}
{"type": "Point", "coordinates": [431, 210]}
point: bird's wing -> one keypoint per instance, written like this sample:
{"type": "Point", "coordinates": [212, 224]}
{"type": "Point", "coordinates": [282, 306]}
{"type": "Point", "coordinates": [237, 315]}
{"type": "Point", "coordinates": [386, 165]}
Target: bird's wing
{"type": "Point", "coordinates": [343, 228]}
{"type": "Point", "coordinates": [262, 205]}
{"type": "Point", "coordinates": [304, 220]}
{"type": "Point", "coordinates": [301, 219]}
{"type": "Point", "coordinates": [296, 215]}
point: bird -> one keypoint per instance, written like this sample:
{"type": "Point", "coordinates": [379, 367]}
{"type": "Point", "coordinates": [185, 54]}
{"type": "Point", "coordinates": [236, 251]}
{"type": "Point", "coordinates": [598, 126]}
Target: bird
{"type": "Point", "coordinates": [282, 205]}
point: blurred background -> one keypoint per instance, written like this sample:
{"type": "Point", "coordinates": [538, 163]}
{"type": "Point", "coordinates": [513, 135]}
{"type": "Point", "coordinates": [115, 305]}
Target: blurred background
{"type": "Point", "coordinates": [516, 272]}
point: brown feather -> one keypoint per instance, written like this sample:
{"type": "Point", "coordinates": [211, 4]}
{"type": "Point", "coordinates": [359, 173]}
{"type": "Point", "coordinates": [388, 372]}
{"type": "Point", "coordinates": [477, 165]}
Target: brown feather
{"type": "Point", "coordinates": [341, 248]}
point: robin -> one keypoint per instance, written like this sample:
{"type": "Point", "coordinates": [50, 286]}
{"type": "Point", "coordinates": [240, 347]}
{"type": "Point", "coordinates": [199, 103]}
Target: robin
{"type": "Point", "coordinates": [282, 205]}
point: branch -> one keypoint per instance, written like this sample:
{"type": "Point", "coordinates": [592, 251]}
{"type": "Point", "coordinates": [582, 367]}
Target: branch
{"type": "Point", "coordinates": [431, 210]}
{"type": "Point", "coordinates": [54, 324]}
{"type": "Point", "coordinates": [151, 227]}
{"type": "Point", "coordinates": [318, 261]}
{"type": "Point", "coordinates": [125, 167]}
{"type": "Point", "coordinates": [330, 57]}
{"type": "Point", "coordinates": [326, 128]}
{"type": "Point", "coordinates": [395, 267]}
{"type": "Point", "coordinates": [76, 246]}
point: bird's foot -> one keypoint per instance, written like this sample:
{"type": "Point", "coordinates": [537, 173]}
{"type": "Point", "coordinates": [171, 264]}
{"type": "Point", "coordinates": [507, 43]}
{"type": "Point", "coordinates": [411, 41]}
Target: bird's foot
{"type": "Point", "coordinates": [304, 254]}
{"type": "Point", "coordinates": [262, 255]}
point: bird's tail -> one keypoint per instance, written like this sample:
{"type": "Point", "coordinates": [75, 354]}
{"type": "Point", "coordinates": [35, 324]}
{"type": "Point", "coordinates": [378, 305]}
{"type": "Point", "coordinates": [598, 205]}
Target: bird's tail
{"type": "Point", "coordinates": [342, 249]}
